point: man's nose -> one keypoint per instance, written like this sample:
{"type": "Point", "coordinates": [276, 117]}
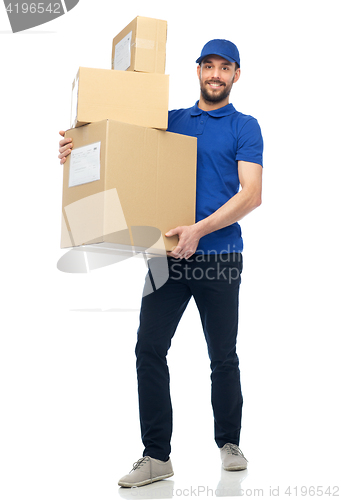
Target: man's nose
{"type": "Point", "coordinates": [216, 74]}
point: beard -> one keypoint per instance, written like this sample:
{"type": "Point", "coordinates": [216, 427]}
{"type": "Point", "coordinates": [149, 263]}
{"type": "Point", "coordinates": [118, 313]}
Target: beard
{"type": "Point", "coordinates": [218, 95]}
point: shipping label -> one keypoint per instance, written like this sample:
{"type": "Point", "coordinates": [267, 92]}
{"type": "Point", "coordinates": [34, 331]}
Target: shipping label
{"type": "Point", "coordinates": [85, 164]}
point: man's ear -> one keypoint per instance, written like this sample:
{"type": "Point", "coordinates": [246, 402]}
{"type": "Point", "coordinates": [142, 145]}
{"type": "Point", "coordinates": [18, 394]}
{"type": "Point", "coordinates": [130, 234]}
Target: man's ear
{"type": "Point", "coordinates": [199, 70]}
{"type": "Point", "coordinates": [236, 75]}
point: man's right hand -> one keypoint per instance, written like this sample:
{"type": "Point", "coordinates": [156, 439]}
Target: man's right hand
{"type": "Point", "coordinates": [65, 147]}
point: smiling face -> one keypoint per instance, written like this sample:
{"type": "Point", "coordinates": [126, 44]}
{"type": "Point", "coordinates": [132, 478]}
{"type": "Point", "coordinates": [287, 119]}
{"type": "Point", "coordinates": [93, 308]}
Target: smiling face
{"type": "Point", "coordinates": [216, 76]}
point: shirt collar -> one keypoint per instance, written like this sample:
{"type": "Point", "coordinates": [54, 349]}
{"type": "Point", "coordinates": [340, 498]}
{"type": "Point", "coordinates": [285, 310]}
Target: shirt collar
{"type": "Point", "coordinates": [224, 111]}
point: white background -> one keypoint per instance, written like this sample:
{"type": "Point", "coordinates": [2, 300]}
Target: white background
{"type": "Point", "coordinates": [69, 418]}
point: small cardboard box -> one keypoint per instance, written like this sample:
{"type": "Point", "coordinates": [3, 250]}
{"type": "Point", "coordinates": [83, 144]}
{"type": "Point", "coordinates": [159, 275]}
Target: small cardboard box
{"type": "Point", "coordinates": [122, 179]}
{"type": "Point", "coordinates": [141, 46]}
{"type": "Point", "coordinates": [136, 98]}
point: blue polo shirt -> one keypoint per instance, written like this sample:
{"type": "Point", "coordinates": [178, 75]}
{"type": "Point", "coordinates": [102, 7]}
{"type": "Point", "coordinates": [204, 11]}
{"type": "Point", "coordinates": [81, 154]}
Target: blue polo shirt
{"type": "Point", "coordinates": [224, 136]}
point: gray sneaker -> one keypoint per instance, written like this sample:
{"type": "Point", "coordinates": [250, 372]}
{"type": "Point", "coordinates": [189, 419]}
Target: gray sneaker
{"type": "Point", "coordinates": [145, 471]}
{"type": "Point", "coordinates": [232, 457]}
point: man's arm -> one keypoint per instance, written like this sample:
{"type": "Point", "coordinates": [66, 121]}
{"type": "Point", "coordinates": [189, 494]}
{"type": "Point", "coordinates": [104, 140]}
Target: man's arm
{"type": "Point", "coordinates": [246, 200]}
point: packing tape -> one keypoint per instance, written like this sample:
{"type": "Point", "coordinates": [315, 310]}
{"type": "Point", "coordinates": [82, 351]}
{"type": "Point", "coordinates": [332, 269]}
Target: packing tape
{"type": "Point", "coordinates": [74, 101]}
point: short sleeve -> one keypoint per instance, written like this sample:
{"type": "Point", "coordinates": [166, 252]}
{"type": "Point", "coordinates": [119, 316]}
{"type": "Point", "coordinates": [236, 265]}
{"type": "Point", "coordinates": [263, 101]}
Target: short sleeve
{"type": "Point", "coordinates": [250, 142]}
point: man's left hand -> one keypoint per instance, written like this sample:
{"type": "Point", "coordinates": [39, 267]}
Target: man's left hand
{"type": "Point", "coordinates": [188, 241]}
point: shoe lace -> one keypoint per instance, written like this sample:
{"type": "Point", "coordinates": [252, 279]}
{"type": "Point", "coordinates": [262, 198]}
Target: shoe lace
{"type": "Point", "coordinates": [139, 463]}
{"type": "Point", "coordinates": [233, 449]}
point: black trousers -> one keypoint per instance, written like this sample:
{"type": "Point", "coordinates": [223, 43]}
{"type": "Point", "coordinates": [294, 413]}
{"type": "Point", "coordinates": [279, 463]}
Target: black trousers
{"type": "Point", "coordinates": [213, 281]}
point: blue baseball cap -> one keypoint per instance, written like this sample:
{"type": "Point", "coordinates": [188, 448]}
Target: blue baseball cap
{"type": "Point", "coordinates": [222, 48]}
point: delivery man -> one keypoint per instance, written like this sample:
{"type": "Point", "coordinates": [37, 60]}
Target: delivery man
{"type": "Point", "coordinates": [206, 264]}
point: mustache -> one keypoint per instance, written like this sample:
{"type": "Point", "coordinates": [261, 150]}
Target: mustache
{"type": "Point", "coordinates": [216, 81]}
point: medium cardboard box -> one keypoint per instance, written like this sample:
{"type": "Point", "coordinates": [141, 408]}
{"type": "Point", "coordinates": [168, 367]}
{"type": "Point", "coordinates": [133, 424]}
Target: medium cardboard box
{"type": "Point", "coordinates": [136, 98]}
{"type": "Point", "coordinates": [141, 46]}
{"type": "Point", "coordinates": [127, 185]}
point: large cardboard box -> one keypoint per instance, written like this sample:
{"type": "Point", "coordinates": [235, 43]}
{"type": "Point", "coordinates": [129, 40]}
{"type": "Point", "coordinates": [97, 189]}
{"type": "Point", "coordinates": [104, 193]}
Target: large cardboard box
{"type": "Point", "coordinates": [136, 98]}
{"type": "Point", "coordinates": [141, 46]}
{"type": "Point", "coordinates": [127, 185]}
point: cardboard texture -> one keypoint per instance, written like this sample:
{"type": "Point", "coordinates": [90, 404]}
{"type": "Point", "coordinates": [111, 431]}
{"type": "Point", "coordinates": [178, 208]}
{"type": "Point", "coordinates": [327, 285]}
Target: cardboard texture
{"type": "Point", "coordinates": [141, 46]}
{"type": "Point", "coordinates": [136, 98]}
{"type": "Point", "coordinates": [146, 186]}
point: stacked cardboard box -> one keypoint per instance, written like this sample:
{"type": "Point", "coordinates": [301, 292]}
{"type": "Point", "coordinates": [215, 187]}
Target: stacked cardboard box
{"type": "Point", "coordinates": [141, 46]}
{"type": "Point", "coordinates": [127, 181]}
{"type": "Point", "coordinates": [136, 98]}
